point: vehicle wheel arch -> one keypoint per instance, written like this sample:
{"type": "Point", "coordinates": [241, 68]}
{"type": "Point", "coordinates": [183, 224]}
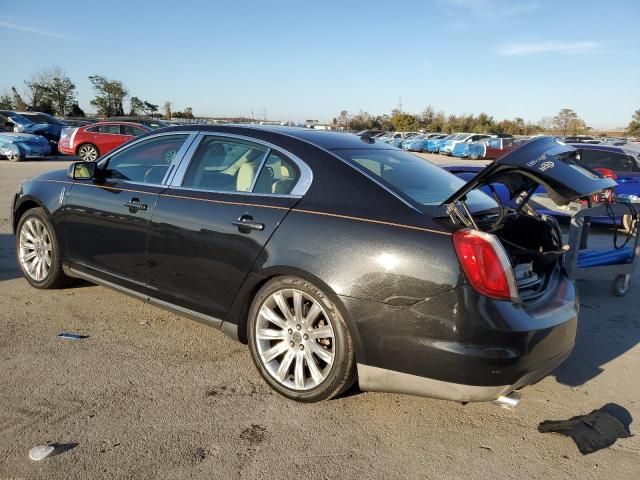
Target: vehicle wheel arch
{"type": "Point", "coordinates": [25, 204]}
{"type": "Point", "coordinates": [243, 302]}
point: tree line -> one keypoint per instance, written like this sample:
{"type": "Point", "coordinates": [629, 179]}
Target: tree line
{"type": "Point", "coordinates": [566, 122]}
{"type": "Point", "coordinates": [52, 91]}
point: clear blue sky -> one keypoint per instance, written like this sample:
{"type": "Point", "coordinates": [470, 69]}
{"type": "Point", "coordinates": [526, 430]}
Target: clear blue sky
{"type": "Point", "coordinates": [301, 59]}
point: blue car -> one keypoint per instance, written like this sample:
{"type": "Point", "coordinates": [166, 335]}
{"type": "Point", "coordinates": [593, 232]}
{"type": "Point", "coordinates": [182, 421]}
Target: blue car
{"type": "Point", "coordinates": [419, 142]}
{"type": "Point", "coordinates": [461, 150]}
{"type": "Point", "coordinates": [620, 163]}
{"type": "Point", "coordinates": [36, 123]}
{"type": "Point", "coordinates": [434, 144]}
{"type": "Point", "coordinates": [18, 146]}
{"type": "Point", "coordinates": [449, 145]}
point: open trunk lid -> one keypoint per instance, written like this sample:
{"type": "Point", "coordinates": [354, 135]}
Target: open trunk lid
{"type": "Point", "coordinates": [541, 161]}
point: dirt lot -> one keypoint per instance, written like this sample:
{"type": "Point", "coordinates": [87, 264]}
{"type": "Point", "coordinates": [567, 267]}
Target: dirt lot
{"type": "Point", "coordinates": [153, 395]}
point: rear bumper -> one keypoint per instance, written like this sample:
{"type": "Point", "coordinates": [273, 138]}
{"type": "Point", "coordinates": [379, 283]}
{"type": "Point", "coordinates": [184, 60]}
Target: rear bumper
{"type": "Point", "coordinates": [375, 379]}
{"type": "Point", "coordinates": [66, 150]}
{"type": "Point", "coordinates": [463, 346]}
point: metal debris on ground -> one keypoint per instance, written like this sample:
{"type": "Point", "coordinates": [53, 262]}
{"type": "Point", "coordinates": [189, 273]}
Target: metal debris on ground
{"type": "Point", "coordinates": [72, 336]}
{"type": "Point", "coordinates": [594, 431]}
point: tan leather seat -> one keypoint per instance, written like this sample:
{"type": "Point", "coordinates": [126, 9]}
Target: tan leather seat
{"type": "Point", "coordinates": [245, 177]}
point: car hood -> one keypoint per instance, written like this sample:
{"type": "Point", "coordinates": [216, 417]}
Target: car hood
{"type": "Point", "coordinates": [542, 161]}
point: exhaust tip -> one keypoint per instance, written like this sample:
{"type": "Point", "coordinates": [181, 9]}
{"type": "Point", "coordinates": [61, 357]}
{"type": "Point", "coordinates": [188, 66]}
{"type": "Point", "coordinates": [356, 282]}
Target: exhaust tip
{"type": "Point", "coordinates": [508, 401]}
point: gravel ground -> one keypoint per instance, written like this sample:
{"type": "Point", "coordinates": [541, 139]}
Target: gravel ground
{"type": "Point", "coordinates": [153, 395]}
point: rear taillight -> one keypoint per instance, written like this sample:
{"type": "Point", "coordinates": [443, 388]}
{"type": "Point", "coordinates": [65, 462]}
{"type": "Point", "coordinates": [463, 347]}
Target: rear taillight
{"type": "Point", "coordinates": [607, 173]}
{"type": "Point", "coordinates": [485, 263]}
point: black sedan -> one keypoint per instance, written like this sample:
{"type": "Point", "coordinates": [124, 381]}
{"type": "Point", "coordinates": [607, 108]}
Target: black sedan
{"type": "Point", "coordinates": [335, 257]}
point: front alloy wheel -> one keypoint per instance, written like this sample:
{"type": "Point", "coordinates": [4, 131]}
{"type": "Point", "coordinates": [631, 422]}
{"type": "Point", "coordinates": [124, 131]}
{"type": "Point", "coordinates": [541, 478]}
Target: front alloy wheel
{"type": "Point", "coordinates": [38, 251]}
{"type": "Point", "coordinates": [14, 157]}
{"type": "Point", "coordinates": [299, 341]}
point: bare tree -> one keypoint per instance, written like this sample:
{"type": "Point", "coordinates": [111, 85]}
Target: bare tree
{"type": "Point", "coordinates": [568, 122]}
{"type": "Point", "coordinates": [167, 110]}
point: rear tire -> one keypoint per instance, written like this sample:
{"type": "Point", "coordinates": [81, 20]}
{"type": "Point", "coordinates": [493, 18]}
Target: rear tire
{"type": "Point", "coordinates": [38, 251]}
{"type": "Point", "coordinates": [299, 342]}
{"type": "Point", "coordinates": [88, 152]}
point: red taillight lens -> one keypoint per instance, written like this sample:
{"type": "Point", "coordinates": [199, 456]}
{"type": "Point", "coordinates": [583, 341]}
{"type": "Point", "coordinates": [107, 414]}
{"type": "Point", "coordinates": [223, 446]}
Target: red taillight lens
{"type": "Point", "coordinates": [485, 264]}
{"type": "Point", "coordinates": [607, 173]}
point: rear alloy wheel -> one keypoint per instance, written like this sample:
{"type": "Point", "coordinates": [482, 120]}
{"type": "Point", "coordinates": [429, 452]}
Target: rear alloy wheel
{"type": "Point", "coordinates": [38, 251]}
{"type": "Point", "coordinates": [88, 152]}
{"type": "Point", "coordinates": [473, 156]}
{"type": "Point", "coordinates": [299, 341]}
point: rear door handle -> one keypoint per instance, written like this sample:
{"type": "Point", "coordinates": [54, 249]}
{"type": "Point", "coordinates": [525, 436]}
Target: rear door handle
{"type": "Point", "coordinates": [134, 205]}
{"type": "Point", "coordinates": [245, 223]}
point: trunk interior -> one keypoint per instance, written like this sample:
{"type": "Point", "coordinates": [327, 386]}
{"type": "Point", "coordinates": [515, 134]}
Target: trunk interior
{"type": "Point", "coordinates": [534, 246]}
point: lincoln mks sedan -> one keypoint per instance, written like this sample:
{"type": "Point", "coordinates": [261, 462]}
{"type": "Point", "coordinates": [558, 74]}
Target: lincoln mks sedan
{"type": "Point", "coordinates": [335, 257]}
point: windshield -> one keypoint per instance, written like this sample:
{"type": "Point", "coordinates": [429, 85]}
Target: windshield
{"type": "Point", "coordinates": [415, 178]}
{"type": "Point", "coordinates": [18, 119]}
{"type": "Point", "coordinates": [44, 118]}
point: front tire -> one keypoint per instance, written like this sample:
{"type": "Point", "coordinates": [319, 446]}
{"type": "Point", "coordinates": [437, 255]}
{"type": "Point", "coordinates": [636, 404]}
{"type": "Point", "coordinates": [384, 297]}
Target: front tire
{"type": "Point", "coordinates": [299, 342]}
{"type": "Point", "coordinates": [88, 152]}
{"type": "Point", "coordinates": [38, 251]}
{"type": "Point", "coordinates": [15, 157]}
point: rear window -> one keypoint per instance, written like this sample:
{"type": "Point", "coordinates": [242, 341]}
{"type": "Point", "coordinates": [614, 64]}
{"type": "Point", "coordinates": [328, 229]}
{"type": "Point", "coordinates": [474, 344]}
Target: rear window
{"type": "Point", "coordinates": [415, 178]}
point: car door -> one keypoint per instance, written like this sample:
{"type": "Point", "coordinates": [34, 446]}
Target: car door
{"type": "Point", "coordinates": [208, 228]}
{"type": "Point", "coordinates": [106, 220]}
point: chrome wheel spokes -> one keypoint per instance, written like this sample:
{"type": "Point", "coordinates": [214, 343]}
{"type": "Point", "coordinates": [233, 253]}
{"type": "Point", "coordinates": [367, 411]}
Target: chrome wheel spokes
{"type": "Point", "coordinates": [88, 153]}
{"type": "Point", "coordinates": [294, 339]}
{"type": "Point", "coordinates": [35, 249]}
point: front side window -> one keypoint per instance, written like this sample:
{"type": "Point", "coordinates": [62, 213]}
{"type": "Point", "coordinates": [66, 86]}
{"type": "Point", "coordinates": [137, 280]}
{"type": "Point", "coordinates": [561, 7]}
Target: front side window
{"type": "Point", "coordinates": [111, 129]}
{"type": "Point", "coordinates": [415, 178]}
{"type": "Point", "coordinates": [145, 162]}
{"type": "Point", "coordinates": [224, 165]}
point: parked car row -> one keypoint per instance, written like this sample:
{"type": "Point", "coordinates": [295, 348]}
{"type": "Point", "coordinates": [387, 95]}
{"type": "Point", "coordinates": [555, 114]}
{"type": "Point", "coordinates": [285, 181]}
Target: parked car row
{"type": "Point", "coordinates": [27, 134]}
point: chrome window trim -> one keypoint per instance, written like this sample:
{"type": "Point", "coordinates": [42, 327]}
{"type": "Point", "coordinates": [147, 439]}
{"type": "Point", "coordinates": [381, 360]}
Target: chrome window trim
{"type": "Point", "coordinates": [191, 136]}
{"type": "Point", "coordinates": [259, 169]}
{"type": "Point", "coordinates": [299, 190]}
{"type": "Point", "coordinates": [369, 176]}
{"type": "Point", "coordinates": [234, 192]}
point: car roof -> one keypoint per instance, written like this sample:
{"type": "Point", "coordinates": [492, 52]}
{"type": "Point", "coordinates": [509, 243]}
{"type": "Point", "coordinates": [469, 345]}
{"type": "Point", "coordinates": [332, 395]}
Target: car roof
{"type": "Point", "coordinates": [96, 124]}
{"type": "Point", "coordinates": [624, 149]}
{"type": "Point", "coordinates": [321, 138]}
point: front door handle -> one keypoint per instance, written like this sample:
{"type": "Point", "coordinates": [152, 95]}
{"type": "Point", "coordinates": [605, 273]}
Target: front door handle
{"type": "Point", "coordinates": [134, 205]}
{"type": "Point", "coordinates": [245, 224]}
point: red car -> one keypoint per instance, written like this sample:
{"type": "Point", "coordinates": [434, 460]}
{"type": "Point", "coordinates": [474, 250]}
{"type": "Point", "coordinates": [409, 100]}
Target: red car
{"type": "Point", "coordinates": [92, 141]}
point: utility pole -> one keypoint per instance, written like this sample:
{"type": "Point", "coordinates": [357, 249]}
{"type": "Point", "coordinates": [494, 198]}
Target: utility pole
{"type": "Point", "coordinates": [400, 104]}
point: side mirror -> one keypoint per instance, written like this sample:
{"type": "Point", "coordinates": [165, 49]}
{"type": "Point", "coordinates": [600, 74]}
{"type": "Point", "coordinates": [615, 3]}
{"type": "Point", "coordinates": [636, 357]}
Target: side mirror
{"type": "Point", "coordinates": [82, 170]}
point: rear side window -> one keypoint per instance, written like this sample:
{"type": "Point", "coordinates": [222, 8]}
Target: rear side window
{"type": "Point", "coordinates": [133, 131]}
{"type": "Point", "coordinates": [225, 165]}
{"type": "Point", "coordinates": [415, 178]}
{"type": "Point", "coordinates": [277, 176]}
{"type": "Point", "coordinates": [618, 162]}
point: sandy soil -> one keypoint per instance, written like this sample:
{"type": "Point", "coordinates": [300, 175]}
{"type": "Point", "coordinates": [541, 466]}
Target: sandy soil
{"type": "Point", "coordinates": [153, 395]}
